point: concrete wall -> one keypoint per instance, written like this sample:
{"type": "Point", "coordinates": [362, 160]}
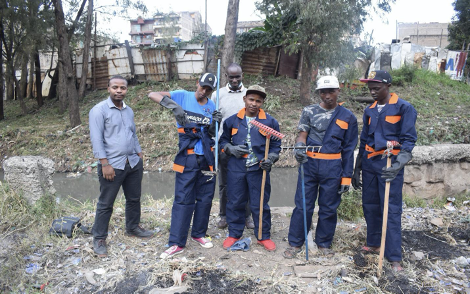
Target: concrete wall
{"type": "Point", "coordinates": [425, 34]}
{"type": "Point", "coordinates": [438, 170]}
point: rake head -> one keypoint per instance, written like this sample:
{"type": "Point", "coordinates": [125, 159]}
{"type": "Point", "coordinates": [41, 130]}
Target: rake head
{"type": "Point", "coordinates": [267, 131]}
{"type": "Point", "coordinates": [390, 146]}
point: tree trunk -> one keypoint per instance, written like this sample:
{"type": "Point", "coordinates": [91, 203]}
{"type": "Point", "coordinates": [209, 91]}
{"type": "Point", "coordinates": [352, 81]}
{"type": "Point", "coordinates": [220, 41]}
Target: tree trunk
{"type": "Point", "coordinates": [229, 39]}
{"type": "Point", "coordinates": [24, 75]}
{"type": "Point", "coordinates": [2, 116]}
{"type": "Point", "coordinates": [31, 76]}
{"type": "Point", "coordinates": [10, 86]}
{"type": "Point", "coordinates": [37, 67]}
{"type": "Point", "coordinates": [66, 61]}
{"type": "Point", "coordinates": [86, 50]}
{"type": "Point", "coordinates": [61, 86]}
{"type": "Point", "coordinates": [306, 82]}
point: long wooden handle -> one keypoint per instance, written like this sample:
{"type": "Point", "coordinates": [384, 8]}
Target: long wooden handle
{"type": "Point", "coordinates": [261, 198]}
{"type": "Point", "coordinates": [384, 222]}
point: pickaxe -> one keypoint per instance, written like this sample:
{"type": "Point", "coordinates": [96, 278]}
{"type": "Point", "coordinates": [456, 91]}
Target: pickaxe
{"type": "Point", "coordinates": [388, 154]}
{"type": "Point", "coordinates": [268, 132]}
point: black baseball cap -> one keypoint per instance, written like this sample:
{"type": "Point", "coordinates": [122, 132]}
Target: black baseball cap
{"type": "Point", "coordinates": [380, 76]}
{"type": "Point", "coordinates": [208, 79]}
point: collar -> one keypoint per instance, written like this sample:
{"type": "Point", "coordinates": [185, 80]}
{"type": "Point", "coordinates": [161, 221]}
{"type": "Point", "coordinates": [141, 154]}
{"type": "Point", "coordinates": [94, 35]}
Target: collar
{"type": "Point", "coordinates": [261, 114]}
{"type": "Point", "coordinates": [393, 100]}
{"type": "Point", "coordinates": [111, 104]}
{"type": "Point", "coordinates": [240, 89]}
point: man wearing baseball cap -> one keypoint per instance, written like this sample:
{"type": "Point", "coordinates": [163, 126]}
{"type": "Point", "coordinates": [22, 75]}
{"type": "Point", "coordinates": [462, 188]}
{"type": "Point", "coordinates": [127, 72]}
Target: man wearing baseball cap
{"type": "Point", "coordinates": [328, 166]}
{"type": "Point", "coordinates": [389, 118]}
{"type": "Point", "coordinates": [245, 146]}
{"type": "Point", "coordinates": [194, 188]}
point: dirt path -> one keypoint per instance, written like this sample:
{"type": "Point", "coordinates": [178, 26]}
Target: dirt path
{"type": "Point", "coordinates": [62, 265]}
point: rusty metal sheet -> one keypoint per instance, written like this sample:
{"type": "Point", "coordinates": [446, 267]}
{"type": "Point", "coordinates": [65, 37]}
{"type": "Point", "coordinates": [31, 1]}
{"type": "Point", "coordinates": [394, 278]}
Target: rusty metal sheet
{"type": "Point", "coordinates": [260, 61]}
{"type": "Point", "coordinates": [101, 72]}
{"type": "Point", "coordinates": [155, 64]}
{"type": "Point", "coordinates": [118, 62]}
{"type": "Point", "coordinates": [288, 64]}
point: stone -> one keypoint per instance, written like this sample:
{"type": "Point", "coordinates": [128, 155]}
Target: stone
{"type": "Point", "coordinates": [437, 222]}
{"type": "Point", "coordinates": [417, 255]}
{"type": "Point", "coordinates": [30, 175]}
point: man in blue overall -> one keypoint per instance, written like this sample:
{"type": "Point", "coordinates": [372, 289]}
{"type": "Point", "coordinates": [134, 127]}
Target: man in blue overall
{"type": "Point", "coordinates": [194, 185]}
{"type": "Point", "coordinates": [115, 144]}
{"type": "Point", "coordinates": [389, 118]}
{"type": "Point", "coordinates": [230, 102]}
{"type": "Point", "coordinates": [246, 145]}
{"type": "Point", "coordinates": [327, 168]}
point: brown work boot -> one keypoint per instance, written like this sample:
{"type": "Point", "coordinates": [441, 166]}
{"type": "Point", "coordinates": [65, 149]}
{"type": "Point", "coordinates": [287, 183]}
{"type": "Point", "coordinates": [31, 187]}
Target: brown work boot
{"type": "Point", "coordinates": [99, 247]}
{"type": "Point", "coordinates": [222, 224]}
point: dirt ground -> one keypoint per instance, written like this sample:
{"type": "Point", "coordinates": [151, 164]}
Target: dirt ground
{"type": "Point", "coordinates": [436, 259]}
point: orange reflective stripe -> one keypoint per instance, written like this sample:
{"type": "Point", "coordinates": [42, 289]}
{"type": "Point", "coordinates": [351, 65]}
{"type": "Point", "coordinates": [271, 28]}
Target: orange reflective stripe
{"type": "Point", "coordinates": [181, 130]}
{"type": "Point", "coordinates": [369, 121]}
{"type": "Point", "coordinates": [342, 124]}
{"type": "Point", "coordinates": [190, 151]}
{"type": "Point", "coordinates": [178, 168]}
{"type": "Point", "coordinates": [345, 181]}
{"type": "Point", "coordinates": [234, 131]}
{"type": "Point", "coordinates": [380, 152]}
{"type": "Point", "coordinates": [323, 155]}
{"type": "Point", "coordinates": [393, 119]}
{"type": "Point", "coordinates": [211, 168]}
{"type": "Point", "coordinates": [245, 156]}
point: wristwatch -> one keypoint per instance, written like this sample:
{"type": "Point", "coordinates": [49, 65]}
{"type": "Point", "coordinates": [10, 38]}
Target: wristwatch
{"type": "Point", "coordinates": [105, 164]}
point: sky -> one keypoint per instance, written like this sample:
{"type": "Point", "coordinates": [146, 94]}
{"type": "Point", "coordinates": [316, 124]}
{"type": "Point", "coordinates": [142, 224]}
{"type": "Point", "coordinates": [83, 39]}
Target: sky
{"type": "Point", "coordinates": [384, 28]}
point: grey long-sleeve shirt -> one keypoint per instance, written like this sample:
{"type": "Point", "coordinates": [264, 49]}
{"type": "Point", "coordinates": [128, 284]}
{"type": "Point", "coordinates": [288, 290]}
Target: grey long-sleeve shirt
{"type": "Point", "coordinates": [113, 134]}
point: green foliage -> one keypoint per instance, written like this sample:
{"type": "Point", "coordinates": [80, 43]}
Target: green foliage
{"type": "Point", "coordinates": [404, 75]}
{"type": "Point", "coordinates": [351, 206]}
{"type": "Point", "coordinates": [459, 29]}
{"type": "Point", "coordinates": [441, 201]}
{"type": "Point", "coordinates": [271, 103]}
{"type": "Point", "coordinates": [413, 201]}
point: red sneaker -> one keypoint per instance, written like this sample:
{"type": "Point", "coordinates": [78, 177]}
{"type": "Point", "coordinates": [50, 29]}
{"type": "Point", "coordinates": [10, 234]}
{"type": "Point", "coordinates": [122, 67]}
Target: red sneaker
{"type": "Point", "coordinates": [229, 242]}
{"type": "Point", "coordinates": [268, 244]}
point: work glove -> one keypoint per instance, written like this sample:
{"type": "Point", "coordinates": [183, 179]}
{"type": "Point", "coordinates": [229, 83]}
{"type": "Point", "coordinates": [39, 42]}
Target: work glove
{"type": "Point", "coordinates": [267, 163]}
{"type": "Point", "coordinates": [402, 159]}
{"type": "Point", "coordinates": [301, 154]}
{"type": "Point", "coordinates": [356, 178]}
{"type": "Point", "coordinates": [178, 111]}
{"type": "Point", "coordinates": [237, 151]}
{"type": "Point", "coordinates": [216, 117]}
{"type": "Point", "coordinates": [343, 189]}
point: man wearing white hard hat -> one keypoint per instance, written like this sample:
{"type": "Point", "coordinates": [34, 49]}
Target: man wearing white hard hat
{"type": "Point", "coordinates": [328, 167]}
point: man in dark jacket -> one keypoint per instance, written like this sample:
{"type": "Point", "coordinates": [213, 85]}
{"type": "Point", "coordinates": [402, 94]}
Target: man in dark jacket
{"type": "Point", "coordinates": [328, 167]}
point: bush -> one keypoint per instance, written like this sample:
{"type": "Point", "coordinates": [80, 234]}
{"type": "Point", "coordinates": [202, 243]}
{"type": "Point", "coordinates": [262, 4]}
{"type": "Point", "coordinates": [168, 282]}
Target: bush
{"type": "Point", "coordinates": [351, 206]}
{"type": "Point", "coordinates": [404, 75]}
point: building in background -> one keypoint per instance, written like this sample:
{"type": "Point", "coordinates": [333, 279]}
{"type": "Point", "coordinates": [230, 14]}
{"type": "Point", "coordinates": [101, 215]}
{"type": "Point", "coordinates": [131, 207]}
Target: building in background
{"type": "Point", "coordinates": [245, 26]}
{"type": "Point", "coordinates": [166, 28]}
{"type": "Point", "coordinates": [432, 34]}
{"type": "Point", "coordinates": [142, 31]}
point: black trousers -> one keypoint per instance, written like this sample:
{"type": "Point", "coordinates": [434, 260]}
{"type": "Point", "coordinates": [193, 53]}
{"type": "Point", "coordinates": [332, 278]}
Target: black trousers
{"type": "Point", "coordinates": [131, 181]}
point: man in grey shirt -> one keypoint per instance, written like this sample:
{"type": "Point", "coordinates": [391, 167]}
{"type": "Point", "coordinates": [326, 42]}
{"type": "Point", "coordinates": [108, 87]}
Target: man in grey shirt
{"type": "Point", "coordinates": [115, 144]}
{"type": "Point", "coordinates": [230, 102]}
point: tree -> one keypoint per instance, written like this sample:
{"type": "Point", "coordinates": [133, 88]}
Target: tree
{"type": "Point", "coordinates": [86, 49]}
{"type": "Point", "coordinates": [67, 89]}
{"type": "Point", "coordinates": [230, 35]}
{"type": "Point", "coordinates": [459, 29]}
{"type": "Point", "coordinates": [321, 30]}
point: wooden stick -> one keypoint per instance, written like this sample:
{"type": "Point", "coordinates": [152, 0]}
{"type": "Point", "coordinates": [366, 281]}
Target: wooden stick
{"type": "Point", "coordinates": [263, 182]}
{"type": "Point", "coordinates": [384, 221]}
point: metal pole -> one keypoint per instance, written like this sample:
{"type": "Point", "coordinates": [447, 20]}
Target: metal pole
{"type": "Point", "coordinates": [217, 123]}
{"type": "Point", "coordinates": [304, 209]}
